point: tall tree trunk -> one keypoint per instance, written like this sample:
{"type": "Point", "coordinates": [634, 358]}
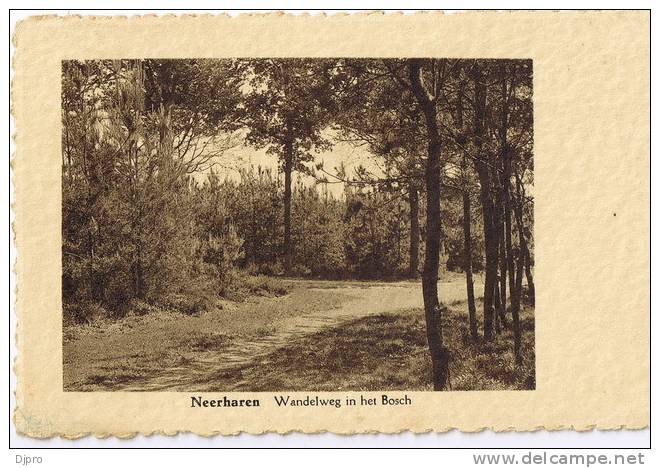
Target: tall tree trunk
{"type": "Point", "coordinates": [509, 248]}
{"type": "Point", "coordinates": [498, 220]}
{"type": "Point", "coordinates": [514, 289]}
{"type": "Point", "coordinates": [523, 253]}
{"type": "Point", "coordinates": [288, 171]}
{"type": "Point", "coordinates": [517, 333]}
{"type": "Point", "coordinates": [528, 273]}
{"type": "Point", "coordinates": [467, 228]}
{"type": "Point", "coordinates": [90, 225]}
{"type": "Point", "coordinates": [467, 263]}
{"type": "Point", "coordinates": [524, 245]}
{"type": "Point", "coordinates": [503, 272]}
{"type": "Point", "coordinates": [514, 274]}
{"type": "Point", "coordinates": [255, 226]}
{"type": "Point", "coordinates": [498, 306]}
{"type": "Point", "coordinates": [139, 263]}
{"type": "Point", "coordinates": [491, 238]}
{"type": "Point", "coordinates": [413, 199]}
{"type": "Point", "coordinates": [139, 273]}
{"type": "Point", "coordinates": [432, 312]}
{"type": "Point", "coordinates": [507, 155]}
{"type": "Point", "coordinates": [89, 209]}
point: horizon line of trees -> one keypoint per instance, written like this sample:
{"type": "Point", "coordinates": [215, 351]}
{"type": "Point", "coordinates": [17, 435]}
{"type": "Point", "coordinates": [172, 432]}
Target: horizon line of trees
{"type": "Point", "coordinates": [452, 140]}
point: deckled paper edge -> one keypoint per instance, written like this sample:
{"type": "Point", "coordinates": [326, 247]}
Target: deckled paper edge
{"type": "Point", "coordinates": [21, 422]}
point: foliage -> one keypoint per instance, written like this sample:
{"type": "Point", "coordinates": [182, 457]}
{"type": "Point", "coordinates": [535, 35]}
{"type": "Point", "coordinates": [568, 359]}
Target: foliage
{"type": "Point", "coordinates": [148, 223]}
{"type": "Point", "coordinates": [129, 143]}
{"type": "Point", "coordinates": [388, 352]}
{"type": "Point", "coordinates": [287, 103]}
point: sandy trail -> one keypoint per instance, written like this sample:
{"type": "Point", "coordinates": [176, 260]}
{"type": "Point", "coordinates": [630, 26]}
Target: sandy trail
{"type": "Point", "coordinates": [200, 367]}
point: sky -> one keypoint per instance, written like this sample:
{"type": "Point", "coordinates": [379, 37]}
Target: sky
{"type": "Point", "coordinates": [350, 154]}
{"type": "Point", "coordinates": [244, 156]}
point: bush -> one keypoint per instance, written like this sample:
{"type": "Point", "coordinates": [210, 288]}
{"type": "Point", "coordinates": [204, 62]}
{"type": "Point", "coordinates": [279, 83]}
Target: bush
{"type": "Point", "coordinates": [248, 285]}
{"type": "Point", "coordinates": [275, 268]}
{"type": "Point", "coordinates": [265, 285]}
{"type": "Point", "coordinates": [190, 304]}
{"type": "Point", "coordinates": [140, 307]}
{"type": "Point", "coordinates": [79, 313]}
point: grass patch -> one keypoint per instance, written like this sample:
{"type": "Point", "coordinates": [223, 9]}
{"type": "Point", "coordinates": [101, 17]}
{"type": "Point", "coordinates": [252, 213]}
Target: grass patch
{"type": "Point", "coordinates": [258, 285]}
{"type": "Point", "coordinates": [143, 345]}
{"type": "Point", "coordinates": [193, 299]}
{"type": "Point", "coordinates": [206, 341]}
{"type": "Point", "coordinates": [389, 352]}
{"type": "Point", "coordinates": [380, 352]}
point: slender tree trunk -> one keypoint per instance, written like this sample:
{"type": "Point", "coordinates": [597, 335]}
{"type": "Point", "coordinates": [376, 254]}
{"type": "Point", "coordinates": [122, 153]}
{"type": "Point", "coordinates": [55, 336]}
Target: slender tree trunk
{"type": "Point", "coordinates": [87, 171]}
{"type": "Point", "coordinates": [509, 249]}
{"type": "Point", "coordinates": [530, 277]}
{"type": "Point", "coordinates": [467, 228]}
{"type": "Point", "coordinates": [288, 171]}
{"type": "Point", "coordinates": [432, 311]}
{"type": "Point", "coordinates": [139, 273]}
{"type": "Point", "coordinates": [467, 264]}
{"type": "Point", "coordinates": [491, 240]}
{"type": "Point", "coordinates": [139, 268]}
{"type": "Point", "coordinates": [503, 273]}
{"type": "Point", "coordinates": [413, 199]}
{"type": "Point", "coordinates": [514, 274]}
{"type": "Point", "coordinates": [498, 220]}
{"type": "Point", "coordinates": [517, 335]}
{"type": "Point", "coordinates": [498, 307]}
{"type": "Point", "coordinates": [90, 225]}
{"type": "Point", "coordinates": [255, 226]}
{"type": "Point", "coordinates": [523, 241]}
{"type": "Point", "coordinates": [523, 255]}
{"type": "Point", "coordinates": [514, 279]}
{"type": "Point", "coordinates": [490, 228]}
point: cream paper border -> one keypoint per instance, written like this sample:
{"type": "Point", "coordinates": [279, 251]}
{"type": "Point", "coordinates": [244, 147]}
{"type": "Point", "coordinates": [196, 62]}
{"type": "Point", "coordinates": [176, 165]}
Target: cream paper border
{"type": "Point", "coordinates": [592, 129]}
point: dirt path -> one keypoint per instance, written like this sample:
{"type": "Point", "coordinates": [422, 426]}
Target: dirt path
{"type": "Point", "coordinates": [197, 368]}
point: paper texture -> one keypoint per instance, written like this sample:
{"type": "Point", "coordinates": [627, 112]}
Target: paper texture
{"type": "Point", "coordinates": [592, 216]}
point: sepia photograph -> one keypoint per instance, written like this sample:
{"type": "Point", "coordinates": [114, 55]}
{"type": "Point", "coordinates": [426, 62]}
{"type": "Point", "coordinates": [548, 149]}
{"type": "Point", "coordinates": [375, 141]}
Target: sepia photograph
{"type": "Point", "coordinates": [307, 224]}
{"type": "Point", "coordinates": [314, 229]}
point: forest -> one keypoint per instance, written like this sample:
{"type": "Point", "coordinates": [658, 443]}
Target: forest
{"type": "Point", "coordinates": [156, 220]}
